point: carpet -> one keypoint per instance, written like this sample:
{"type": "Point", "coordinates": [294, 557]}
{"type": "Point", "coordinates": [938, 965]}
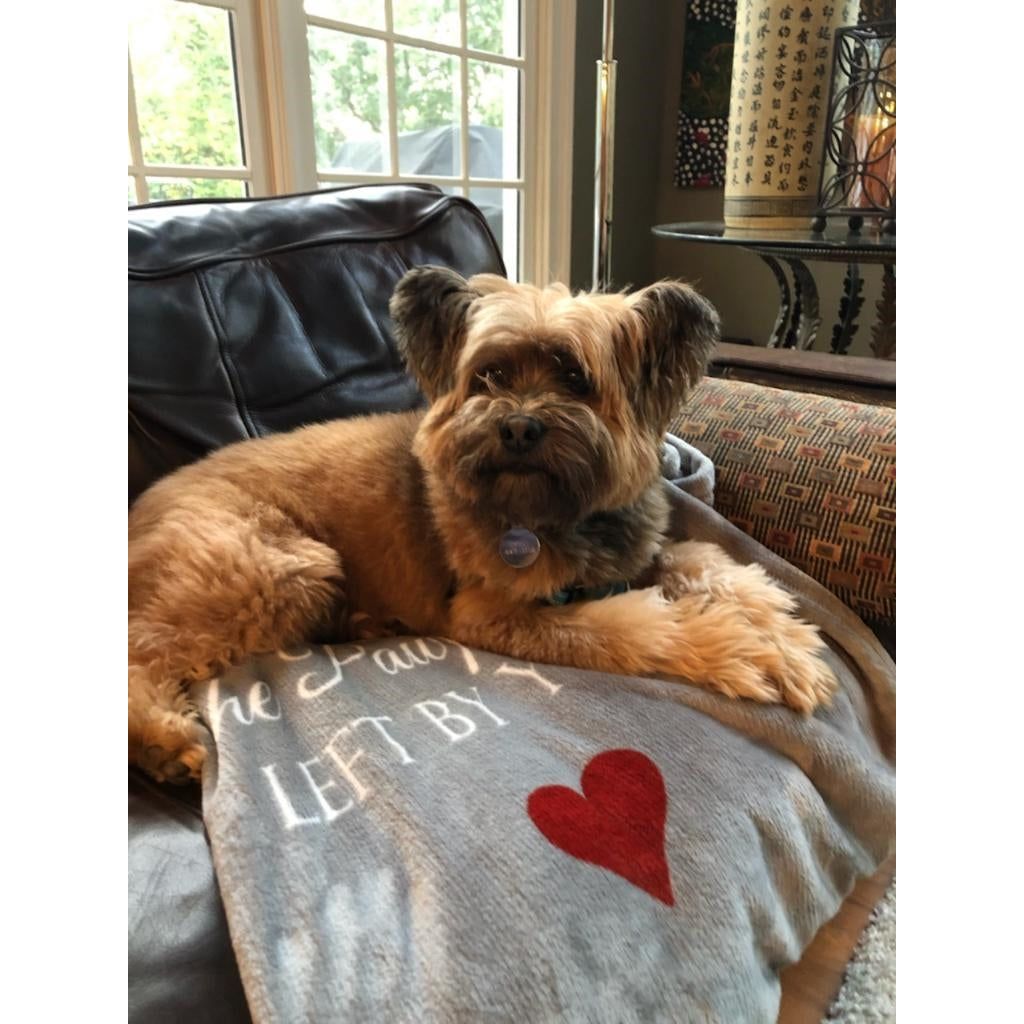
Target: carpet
{"type": "Point", "coordinates": [868, 992]}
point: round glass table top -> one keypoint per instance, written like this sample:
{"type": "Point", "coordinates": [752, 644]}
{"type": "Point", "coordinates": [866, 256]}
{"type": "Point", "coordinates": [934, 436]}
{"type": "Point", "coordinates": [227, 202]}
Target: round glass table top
{"type": "Point", "coordinates": [835, 239]}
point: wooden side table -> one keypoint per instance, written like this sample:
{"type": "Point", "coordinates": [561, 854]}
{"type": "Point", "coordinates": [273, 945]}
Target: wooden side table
{"type": "Point", "coordinates": [799, 317]}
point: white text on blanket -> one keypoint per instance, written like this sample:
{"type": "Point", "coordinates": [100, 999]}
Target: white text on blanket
{"type": "Point", "coordinates": [327, 786]}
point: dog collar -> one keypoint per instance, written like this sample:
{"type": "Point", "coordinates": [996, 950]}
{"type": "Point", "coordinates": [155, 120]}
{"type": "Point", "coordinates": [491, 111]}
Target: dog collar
{"type": "Point", "coordinates": [570, 595]}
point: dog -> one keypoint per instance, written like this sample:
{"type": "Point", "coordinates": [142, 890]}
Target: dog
{"type": "Point", "coordinates": [532, 476]}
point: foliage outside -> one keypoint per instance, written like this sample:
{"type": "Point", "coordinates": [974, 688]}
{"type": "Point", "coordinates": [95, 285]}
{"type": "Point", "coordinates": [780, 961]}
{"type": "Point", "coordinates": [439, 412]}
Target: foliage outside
{"type": "Point", "coordinates": [185, 85]}
{"type": "Point", "coordinates": [349, 76]}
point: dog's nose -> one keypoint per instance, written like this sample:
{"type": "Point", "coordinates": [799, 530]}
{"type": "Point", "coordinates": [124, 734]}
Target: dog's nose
{"type": "Point", "coordinates": [520, 434]}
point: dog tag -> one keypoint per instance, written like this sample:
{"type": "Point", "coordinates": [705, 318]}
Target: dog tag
{"type": "Point", "coordinates": [519, 547]}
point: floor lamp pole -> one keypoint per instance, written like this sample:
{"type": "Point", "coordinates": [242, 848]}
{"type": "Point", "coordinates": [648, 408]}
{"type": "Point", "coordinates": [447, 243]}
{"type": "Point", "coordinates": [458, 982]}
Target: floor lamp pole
{"type": "Point", "coordinates": [605, 154]}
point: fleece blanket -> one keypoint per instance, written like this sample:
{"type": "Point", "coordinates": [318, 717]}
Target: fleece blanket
{"type": "Point", "coordinates": [413, 831]}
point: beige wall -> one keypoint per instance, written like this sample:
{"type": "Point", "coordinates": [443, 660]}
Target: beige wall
{"type": "Point", "coordinates": [649, 50]}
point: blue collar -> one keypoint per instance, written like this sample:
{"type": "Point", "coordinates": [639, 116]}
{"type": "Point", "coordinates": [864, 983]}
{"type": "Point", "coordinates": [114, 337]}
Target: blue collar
{"type": "Point", "coordinates": [570, 595]}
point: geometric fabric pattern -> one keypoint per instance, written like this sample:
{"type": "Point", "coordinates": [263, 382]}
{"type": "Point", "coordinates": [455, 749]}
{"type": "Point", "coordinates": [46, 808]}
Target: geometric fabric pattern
{"type": "Point", "coordinates": [812, 478]}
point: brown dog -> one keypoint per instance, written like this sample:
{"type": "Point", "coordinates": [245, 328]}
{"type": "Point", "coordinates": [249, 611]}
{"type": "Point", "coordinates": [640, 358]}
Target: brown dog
{"type": "Point", "coordinates": [547, 412]}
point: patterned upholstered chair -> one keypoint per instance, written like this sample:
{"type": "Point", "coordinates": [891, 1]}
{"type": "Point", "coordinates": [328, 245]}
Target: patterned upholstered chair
{"type": "Point", "coordinates": [812, 477]}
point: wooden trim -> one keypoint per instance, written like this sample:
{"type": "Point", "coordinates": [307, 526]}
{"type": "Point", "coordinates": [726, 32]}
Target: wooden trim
{"type": "Point", "coordinates": [192, 171]}
{"type": "Point", "coordinates": [880, 373]}
{"type": "Point", "coordinates": [549, 43]}
{"type": "Point", "coordinates": [290, 95]}
{"type": "Point", "coordinates": [248, 65]}
{"type": "Point", "coordinates": [810, 985]}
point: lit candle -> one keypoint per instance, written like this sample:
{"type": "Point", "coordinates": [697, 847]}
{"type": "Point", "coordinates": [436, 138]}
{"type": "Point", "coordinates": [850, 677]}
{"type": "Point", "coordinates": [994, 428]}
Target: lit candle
{"type": "Point", "coordinates": [874, 139]}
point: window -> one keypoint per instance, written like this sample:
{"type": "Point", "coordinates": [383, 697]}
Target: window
{"type": "Point", "coordinates": [257, 97]}
{"type": "Point", "coordinates": [193, 124]}
{"type": "Point", "coordinates": [430, 92]}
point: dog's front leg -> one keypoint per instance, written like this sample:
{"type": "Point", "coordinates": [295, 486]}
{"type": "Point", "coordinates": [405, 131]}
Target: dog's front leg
{"type": "Point", "coordinates": [694, 569]}
{"type": "Point", "coordinates": [708, 641]}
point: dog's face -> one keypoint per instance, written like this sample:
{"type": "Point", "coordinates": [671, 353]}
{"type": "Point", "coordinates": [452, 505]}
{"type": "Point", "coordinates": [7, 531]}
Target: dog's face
{"type": "Point", "coordinates": [547, 407]}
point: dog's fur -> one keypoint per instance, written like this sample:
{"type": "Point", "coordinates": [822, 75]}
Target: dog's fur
{"type": "Point", "coordinates": [362, 527]}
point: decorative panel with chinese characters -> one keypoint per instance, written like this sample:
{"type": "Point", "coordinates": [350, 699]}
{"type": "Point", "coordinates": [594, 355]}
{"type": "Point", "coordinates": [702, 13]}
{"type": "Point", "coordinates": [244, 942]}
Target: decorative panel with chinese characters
{"type": "Point", "coordinates": [782, 65]}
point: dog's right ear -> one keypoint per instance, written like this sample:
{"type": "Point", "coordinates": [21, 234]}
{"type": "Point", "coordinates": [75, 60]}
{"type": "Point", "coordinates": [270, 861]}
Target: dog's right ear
{"type": "Point", "coordinates": [429, 310]}
{"type": "Point", "coordinates": [677, 333]}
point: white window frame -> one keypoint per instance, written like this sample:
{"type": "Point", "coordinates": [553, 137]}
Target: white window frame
{"type": "Point", "coordinates": [255, 168]}
{"type": "Point", "coordinates": [275, 97]}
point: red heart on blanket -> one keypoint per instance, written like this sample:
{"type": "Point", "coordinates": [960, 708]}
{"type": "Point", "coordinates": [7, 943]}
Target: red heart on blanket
{"type": "Point", "coordinates": [618, 823]}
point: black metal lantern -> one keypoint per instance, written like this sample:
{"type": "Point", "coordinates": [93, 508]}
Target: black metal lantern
{"type": "Point", "coordinates": [858, 167]}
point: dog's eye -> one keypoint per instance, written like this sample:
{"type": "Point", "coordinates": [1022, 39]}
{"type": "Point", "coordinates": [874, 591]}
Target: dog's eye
{"type": "Point", "coordinates": [576, 381]}
{"type": "Point", "coordinates": [487, 380]}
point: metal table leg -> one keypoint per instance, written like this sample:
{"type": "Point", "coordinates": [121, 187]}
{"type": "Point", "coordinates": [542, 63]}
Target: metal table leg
{"type": "Point", "coordinates": [780, 330]}
{"type": "Point", "coordinates": [806, 316]}
{"type": "Point", "coordinates": [883, 334]}
{"type": "Point", "coordinates": [799, 317]}
{"type": "Point", "coordinates": [849, 308]}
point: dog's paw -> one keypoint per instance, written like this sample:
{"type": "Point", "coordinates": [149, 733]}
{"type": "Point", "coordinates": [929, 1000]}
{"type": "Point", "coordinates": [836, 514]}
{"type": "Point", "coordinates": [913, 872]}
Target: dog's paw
{"type": "Point", "coordinates": [177, 766]}
{"type": "Point", "coordinates": [804, 679]}
{"type": "Point", "coordinates": [764, 654]}
{"type": "Point", "coordinates": [364, 627]}
{"type": "Point", "coordinates": [173, 751]}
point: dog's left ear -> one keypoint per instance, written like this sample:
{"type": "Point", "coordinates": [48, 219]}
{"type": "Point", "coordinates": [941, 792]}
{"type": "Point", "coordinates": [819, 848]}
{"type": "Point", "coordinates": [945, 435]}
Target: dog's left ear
{"type": "Point", "coordinates": [677, 330]}
{"type": "Point", "coordinates": [429, 308]}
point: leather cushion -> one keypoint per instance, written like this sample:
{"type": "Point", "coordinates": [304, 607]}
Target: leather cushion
{"type": "Point", "coordinates": [181, 964]}
{"type": "Point", "coordinates": [250, 317]}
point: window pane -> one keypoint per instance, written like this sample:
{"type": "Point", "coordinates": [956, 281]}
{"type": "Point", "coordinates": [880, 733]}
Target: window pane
{"type": "Point", "coordinates": [132, 197]}
{"type": "Point", "coordinates": [350, 110]}
{"type": "Point", "coordinates": [356, 12]}
{"type": "Point", "coordinates": [493, 121]}
{"type": "Point", "coordinates": [437, 20]}
{"type": "Point", "coordinates": [427, 97]}
{"type": "Point", "coordinates": [183, 69]}
{"type": "Point", "coordinates": [493, 25]}
{"type": "Point", "coordinates": [500, 207]}
{"type": "Point", "coordinates": [161, 189]}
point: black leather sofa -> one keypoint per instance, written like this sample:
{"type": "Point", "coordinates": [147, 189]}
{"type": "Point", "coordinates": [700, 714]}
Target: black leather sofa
{"type": "Point", "coordinates": [245, 318]}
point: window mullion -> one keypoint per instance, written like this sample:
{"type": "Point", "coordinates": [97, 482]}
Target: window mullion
{"type": "Point", "coordinates": [224, 5]}
{"type": "Point", "coordinates": [439, 179]}
{"type": "Point", "coordinates": [207, 171]}
{"type": "Point", "coordinates": [464, 89]}
{"type": "Point", "coordinates": [433, 45]}
{"type": "Point", "coordinates": [135, 141]}
{"type": "Point", "coordinates": [389, 58]}
{"type": "Point", "coordinates": [250, 68]}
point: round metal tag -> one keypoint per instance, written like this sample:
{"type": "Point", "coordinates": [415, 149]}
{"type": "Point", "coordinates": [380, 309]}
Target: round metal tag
{"type": "Point", "coordinates": [519, 547]}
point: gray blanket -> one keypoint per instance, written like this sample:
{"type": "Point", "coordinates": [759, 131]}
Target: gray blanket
{"type": "Point", "coordinates": [412, 831]}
